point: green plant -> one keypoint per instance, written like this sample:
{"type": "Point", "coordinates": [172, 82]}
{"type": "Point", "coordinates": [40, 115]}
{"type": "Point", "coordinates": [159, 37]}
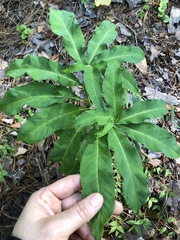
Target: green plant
{"type": "Point", "coordinates": [24, 31]}
{"type": "Point", "coordinates": [144, 8]}
{"type": "Point", "coordinates": [18, 118]}
{"type": "Point", "coordinates": [138, 223]}
{"type": "Point", "coordinates": [3, 174]}
{"type": "Point", "coordinates": [6, 149]}
{"type": "Point", "coordinates": [108, 125]}
{"type": "Point", "coordinates": [161, 9]}
{"type": "Point", "coordinates": [117, 227]}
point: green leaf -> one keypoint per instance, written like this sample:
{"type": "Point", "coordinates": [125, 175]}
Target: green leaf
{"type": "Point", "coordinates": [90, 117]}
{"type": "Point", "coordinates": [112, 87]}
{"type": "Point", "coordinates": [41, 68]}
{"type": "Point", "coordinates": [64, 24]}
{"type": "Point", "coordinates": [93, 85]}
{"type": "Point", "coordinates": [48, 120]}
{"type": "Point", "coordinates": [97, 160]}
{"type": "Point", "coordinates": [66, 148]}
{"type": "Point", "coordinates": [120, 54]}
{"type": "Point", "coordinates": [21, 28]}
{"type": "Point", "coordinates": [129, 165]}
{"type": "Point", "coordinates": [66, 93]}
{"type": "Point", "coordinates": [128, 81]}
{"type": "Point", "coordinates": [36, 95]}
{"type": "Point", "coordinates": [75, 67]}
{"type": "Point", "coordinates": [104, 34]}
{"type": "Point", "coordinates": [146, 7]}
{"type": "Point", "coordinates": [106, 129]}
{"type": "Point", "coordinates": [143, 110]}
{"type": "Point", "coordinates": [153, 137]}
{"type": "Point", "coordinates": [166, 18]}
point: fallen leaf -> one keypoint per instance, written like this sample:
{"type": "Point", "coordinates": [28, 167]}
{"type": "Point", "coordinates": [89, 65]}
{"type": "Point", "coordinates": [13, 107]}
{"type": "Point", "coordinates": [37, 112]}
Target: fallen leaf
{"type": "Point", "coordinates": [16, 125]}
{"type": "Point", "coordinates": [124, 30]}
{"type": "Point", "coordinates": [155, 94]}
{"type": "Point", "coordinates": [174, 19]}
{"type": "Point", "coordinates": [3, 64]}
{"type": "Point", "coordinates": [142, 66]}
{"type": "Point", "coordinates": [2, 28]}
{"type": "Point", "coordinates": [20, 151]}
{"type": "Point", "coordinates": [154, 162]}
{"type": "Point", "coordinates": [177, 226]}
{"type": "Point", "coordinates": [14, 133]}
{"type": "Point", "coordinates": [154, 53]}
{"type": "Point", "coordinates": [102, 2]}
{"type": "Point", "coordinates": [40, 29]}
{"type": "Point", "coordinates": [177, 160]}
{"type": "Point", "coordinates": [7, 120]}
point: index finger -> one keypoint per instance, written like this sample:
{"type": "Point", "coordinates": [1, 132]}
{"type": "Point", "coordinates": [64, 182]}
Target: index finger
{"type": "Point", "coordinates": [65, 187]}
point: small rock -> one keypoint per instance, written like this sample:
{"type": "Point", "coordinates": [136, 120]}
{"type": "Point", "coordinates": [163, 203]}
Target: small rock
{"type": "Point", "coordinates": [177, 227]}
{"type": "Point", "coordinates": [174, 201]}
{"type": "Point", "coordinates": [133, 3]}
{"type": "Point", "coordinates": [174, 22]}
{"type": "Point", "coordinates": [124, 30]}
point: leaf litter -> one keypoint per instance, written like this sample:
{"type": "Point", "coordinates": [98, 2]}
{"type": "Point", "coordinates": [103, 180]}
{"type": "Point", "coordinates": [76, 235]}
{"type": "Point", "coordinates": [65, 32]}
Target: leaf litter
{"type": "Point", "coordinates": [157, 76]}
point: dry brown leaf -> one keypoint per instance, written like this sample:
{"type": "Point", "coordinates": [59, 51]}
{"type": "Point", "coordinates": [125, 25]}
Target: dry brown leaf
{"type": "Point", "coordinates": [16, 125]}
{"type": "Point", "coordinates": [154, 162]}
{"type": "Point", "coordinates": [154, 53]}
{"type": "Point", "coordinates": [142, 66]}
{"type": "Point", "coordinates": [20, 151]}
{"type": "Point", "coordinates": [40, 29]}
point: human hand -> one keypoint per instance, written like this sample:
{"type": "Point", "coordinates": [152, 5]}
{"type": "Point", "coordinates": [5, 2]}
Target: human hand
{"type": "Point", "coordinates": [57, 212]}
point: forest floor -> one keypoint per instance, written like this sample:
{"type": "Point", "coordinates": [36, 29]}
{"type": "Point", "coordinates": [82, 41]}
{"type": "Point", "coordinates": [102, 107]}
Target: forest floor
{"type": "Point", "coordinates": [158, 76]}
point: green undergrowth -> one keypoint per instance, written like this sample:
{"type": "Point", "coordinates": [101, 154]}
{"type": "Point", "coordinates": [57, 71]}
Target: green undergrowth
{"type": "Point", "coordinates": [153, 219]}
{"type": "Point", "coordinates": [162, 8]}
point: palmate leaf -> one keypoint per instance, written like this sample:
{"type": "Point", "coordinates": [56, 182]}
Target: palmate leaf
{"type": "Point", "coordinates": [87, 118]}
{"type": "Point", "coordinates": [66, 148]}
{"type": "Point", "coordinates": [36, 95]}
{"type": "Point", "coordinates": [97, 160]}
{"type": "Point", "coordinates": [64, 24]}
{"type": "Point", "coordinates": [48, 120]}
{"type": "Point", "coordinates": [120, 54]}
{"type": "Point", "coordinates": [41, 68]}
{"type": "Point", "coordinates": [128, 81]}
{"type": "Point", "coordinates": [153, 137]}
{"type": "Point", "coordinates": [129, 165]}
{"type": "Point", "coordinates": [93, 85]}
{"type": "Point", "coordinates": [104, 34]}
{"type": "Point", "coordinates": [112, 88]}
{"type": "Point", "coordinates": [143, 110]}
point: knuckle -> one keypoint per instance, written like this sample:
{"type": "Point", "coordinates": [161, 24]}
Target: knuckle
{"type": "Point", "coordinates": [82, 211]}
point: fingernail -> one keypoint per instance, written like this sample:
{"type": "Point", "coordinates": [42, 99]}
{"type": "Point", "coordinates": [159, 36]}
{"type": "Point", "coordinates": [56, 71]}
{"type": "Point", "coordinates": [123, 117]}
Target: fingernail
{"type": "Point", "coordinates": [96, 200]}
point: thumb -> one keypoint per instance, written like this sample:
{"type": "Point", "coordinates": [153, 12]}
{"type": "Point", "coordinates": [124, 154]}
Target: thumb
{"type": "Point", "coordinates": [81, 213]}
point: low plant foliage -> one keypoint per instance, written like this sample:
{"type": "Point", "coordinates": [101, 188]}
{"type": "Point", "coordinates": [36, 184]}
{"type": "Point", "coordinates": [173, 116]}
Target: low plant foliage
{"type": "Point", "coordinates": [109, 125]}
{"type": "Point", "coordinates": [24, 31]}
{"type": "Point", "coordinates": [162, 9]}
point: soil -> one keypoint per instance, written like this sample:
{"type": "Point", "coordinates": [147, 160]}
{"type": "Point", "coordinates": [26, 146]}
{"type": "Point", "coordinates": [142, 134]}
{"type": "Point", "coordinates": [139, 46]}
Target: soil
{"type": "Point", "coordinates": [158, 76]}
